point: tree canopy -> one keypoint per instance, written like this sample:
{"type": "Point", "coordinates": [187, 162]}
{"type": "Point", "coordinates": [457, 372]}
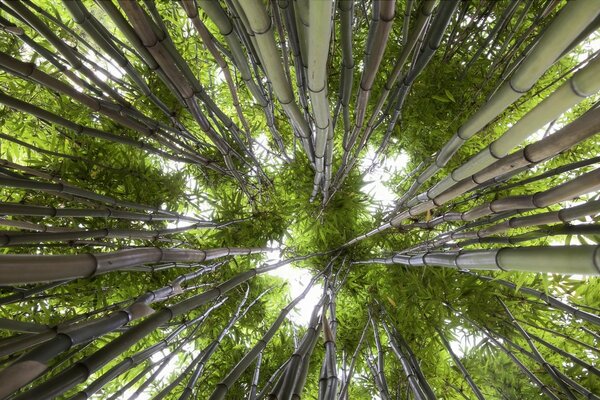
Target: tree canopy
{"type": "Point", "coordinates": [428, 169]}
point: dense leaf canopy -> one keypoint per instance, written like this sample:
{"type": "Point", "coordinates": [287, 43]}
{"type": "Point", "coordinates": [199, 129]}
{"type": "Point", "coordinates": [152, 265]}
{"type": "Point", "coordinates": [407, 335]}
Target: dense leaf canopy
{"type": "Point", "coordinates": [428, 169]}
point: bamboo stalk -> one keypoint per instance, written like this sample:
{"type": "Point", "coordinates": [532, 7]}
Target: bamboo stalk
{"type": "Point", "coordinates": [51, 234]}
{"type": "Point", "coordinates": [562, 335]}
{"type": "Point", "coordinates": [583, 84]}
{"type": "Point", "coordinates": [261, 27]}
{"type": "Point", "coordinates": [563, 216]}
{"type": "Point", "coordinates": [139, 357]}
{"type": "Point", "coordinates": [223, 387]}
{"type": "Point", "coordinates": [96, 133]}
{"type": "Point", "coordinates": [383, 394]}
{"type": "Point", "coordinates": [407, 366]}
{"type": "Point", "coordinates": [557, 37]}
{"type": "Point", "coordinates": [329, 380]}
{"type": "Point", "coordinates": [555, 259]}
{"type": "Point", "coordinates": [550, 300]}
{"type": "Point", "coordinates": [380, 365]}
{"type": "Point", "coordinates": [432, 40]}
{"type": "Point", "coordinates": [582, 390]}
{"type": "Point", "coordinates": [21, 268]}
{"type": "Point", "coordinates": [255, 378]}
{"type": "Point", "coordinates": [537, 354]}
{"type": "Point", "coordinates": [80, 371]}
{"type": "Point", "coordinates": [343, 394]}
{"type": "Point", "coordinates": [68, 212]}
{"type": "Point", "coordinates": [532, 377]}
{"type": "Point", "coordinates": [346, 12]}
{"type": "Point", "coordinates": [291, 382]}
{"type": "Point", "coordinates": [67, 52]}
{"type": "Point", "coordinates": [460, 366]}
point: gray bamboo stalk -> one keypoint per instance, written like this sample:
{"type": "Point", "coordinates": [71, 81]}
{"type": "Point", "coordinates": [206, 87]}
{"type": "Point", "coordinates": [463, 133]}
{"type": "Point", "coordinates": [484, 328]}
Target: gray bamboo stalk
{"type": "Point", "coordinates": [161, 48]}
{"type": "Point", "coordinates": [291, 382]}
{"type": "Point", "coordinates": [537, 355]}
{"type": "Point", "coordinates": [461, 367]}
{"type": "Point", "coordinates": [582, 390]}
{"type": "Point", "coordinates": [8, 238]}
{"type": "Point", "coordinates": [255, 378]}
{"type": "Point", "coordinates": [580, 129]}
{"type": "Point", "coordinates": [413, 360]}
{"type": "Point", "coordinates": [21, 326]}
{"type": "Point", "coordinates": [346, 12]}
{"type": "Point", "coordinates": [223, 387]}
{"type": "Point", "coordinates": [128, 385]}
{"type": "Point", "coordinates": [96, 133]}
{"type": "Point", "coordinates": [260, 24]}
{"type": "Point", "coordinates": [71, 190]}
{"type": "Point", "coordinates": [240, 312]}
{"type": "Point", "coordinates": [560, 334]}
{"type": "Point", "coordinates": [307, 347]}
{"type": "Point", "coordinates": [550, 300]}
{"type": "Point", "coordinates": [583, 84]}
{"type": "Point", "coordinates": [329, 380]}
{"type": "Point", "coordinates": [563, 216]}
{"type": "Point", "coordinates": [192, 13]}
{"type": "Point", "coordinates": [592, 369]}
{"type": "Point", "coordinates": [383, 393]}
{"type": "Point", "coordinates": [431, 43]}
{"type": "Point", "coordinates": [68, 212]}
{"type": "Point", "coordinates": [196, 365]}
{"type": "Point", "coordinates": [30, 71]}
{"type": "Point", "coordinates": [77, 333]}
{"type": "Point", "coordinates": [411, 376]}
{"type": "Point", "coordinates": [128, 117]}
{"type": "Point", "coordinates": [577, 131]}
{"type": "Point", "coordinates": [568, 230]}
{"type": "Point", "coordinates": [348, 159]}
{"type": "Point", "coordinates": [556, 38]}
{"type": "Point", "coordinates": [214, 11]}
{"type": "Point", "coordinates": [590, 332]}
{"type": "Point", "coordinates": [294, 32]}
{"type": "Point", "coordinates": [76, 158]}
{"type": "Point", "coordinates": [66, 51]}
{"type": "Point", "coordinates": [273, 379]}
{"type": "Point", "coordinates": [498, 184]}
{"type": "Point", "coordinates": [139, 357]}
{"type": "Point", "coordinates": [532, 377]}
{"type": "Point", "coordinates": [17, 344]}
{"type": "Point", "coordinates": [343, 394]}
{"type": "Point", "coordinates": [379, 33]}
{"type": "Point", "coordinates": [553, 259]}
{"type": "Point", "coordinates": [380, 366]}
{"type": "Point", "coordinates": [319, 36]}
{"type": "Point", "coordinates": [22, 268]}
{"type": "Point", "coordinates": [80, 371]}
{"type": "Point", "coordinates": [112, 47]}
{"type": "Point", "coordinates": [499, 25]}
{"type": "Point", "coordinates": [25, 294]}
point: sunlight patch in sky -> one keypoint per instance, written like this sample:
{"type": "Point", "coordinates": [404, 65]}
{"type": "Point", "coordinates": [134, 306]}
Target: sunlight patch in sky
{"type": "Point", "coordinates": [297, 279]}
{"type": "Point", "coordinates": [463, 343]}
{"type": "Point", "coordinates": [379, 171]}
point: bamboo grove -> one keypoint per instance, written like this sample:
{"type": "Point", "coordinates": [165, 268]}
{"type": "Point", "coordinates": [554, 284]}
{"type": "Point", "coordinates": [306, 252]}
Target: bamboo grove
{"type": "Point", "coordinates": [163, 164]}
